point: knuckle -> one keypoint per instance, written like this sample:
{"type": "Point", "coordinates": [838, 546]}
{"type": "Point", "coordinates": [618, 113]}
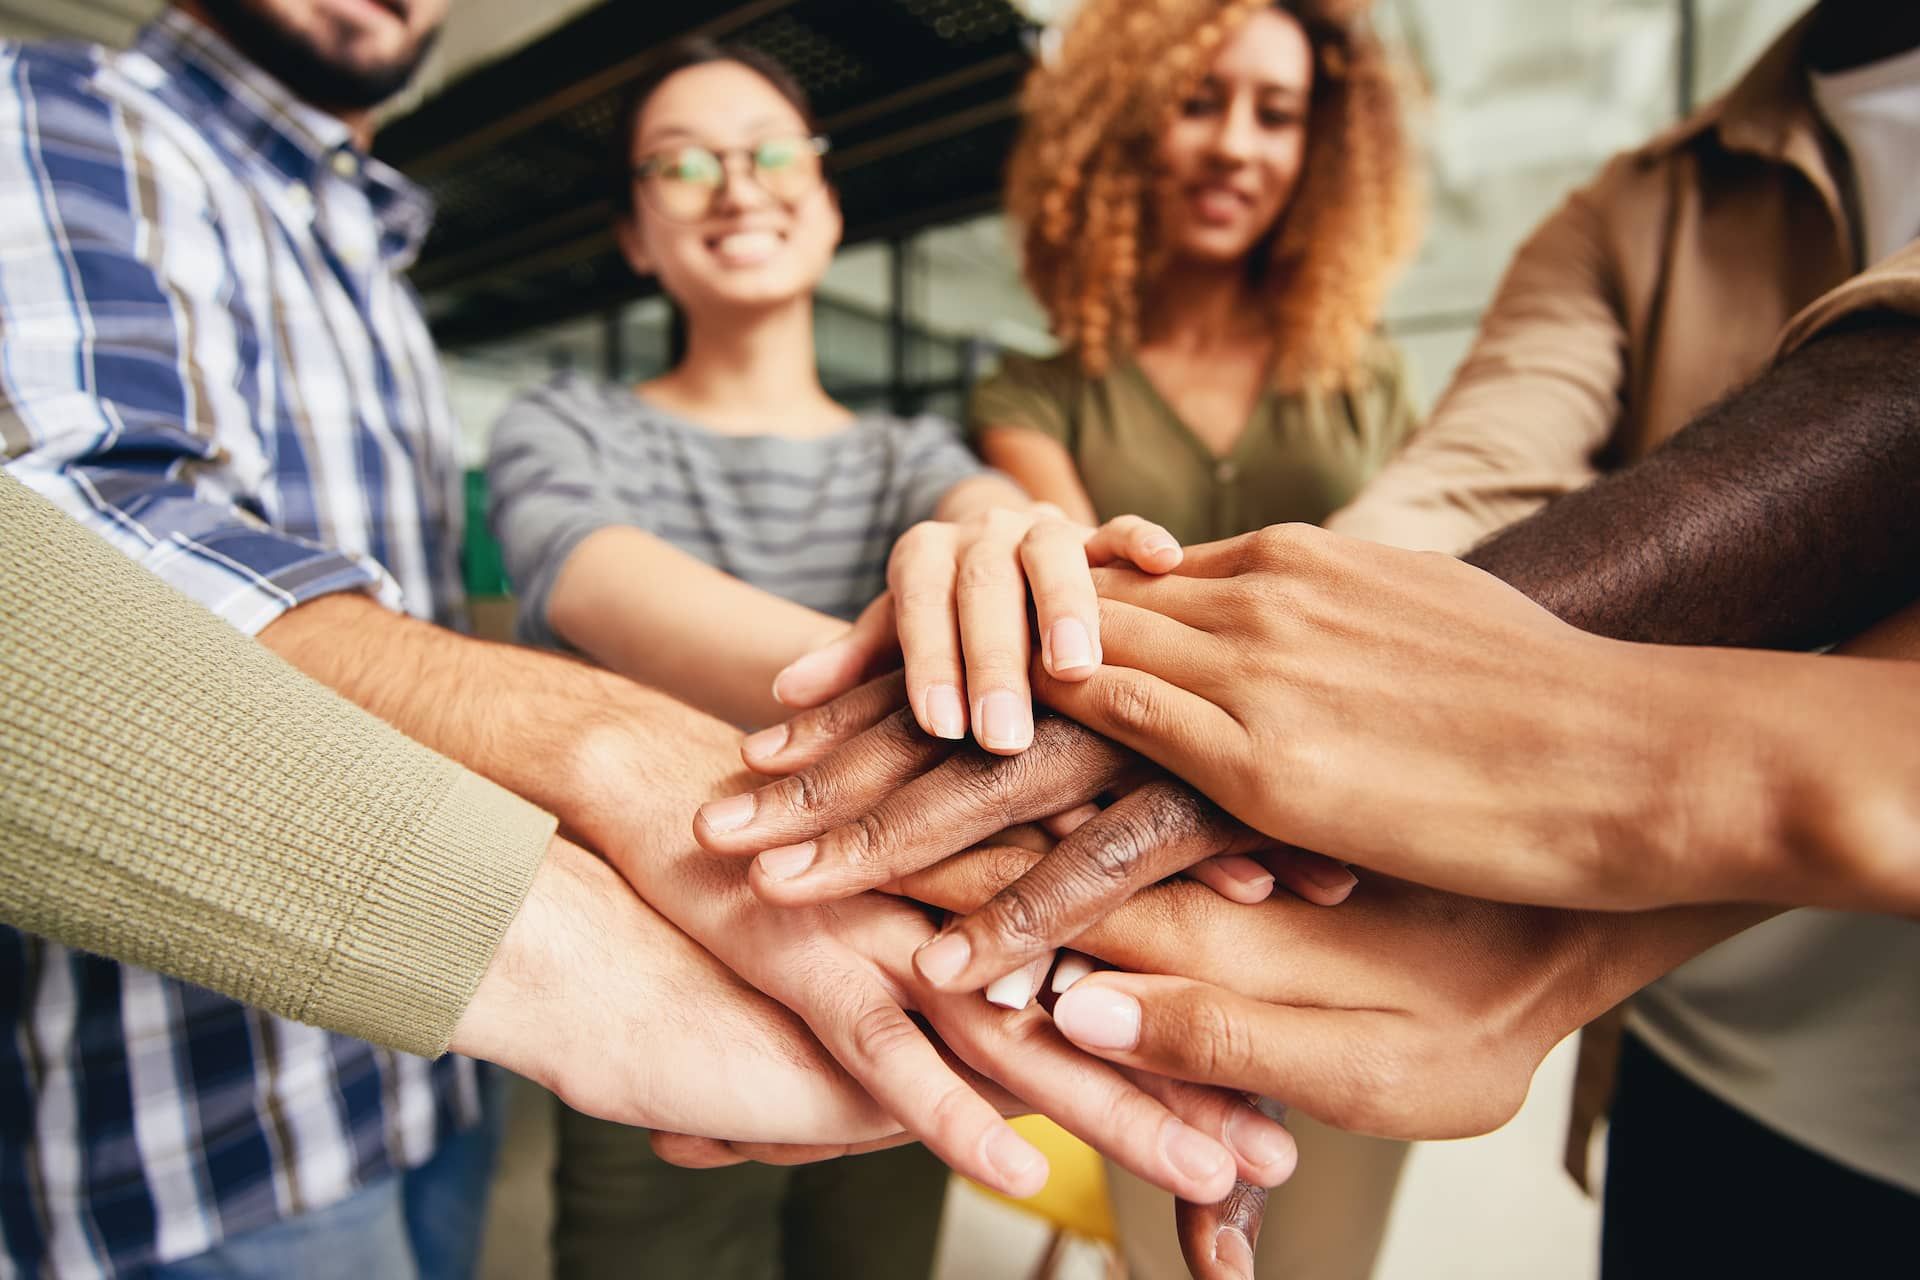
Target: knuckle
{"type": "Point", "coordinates": [983, 568]}
{"type": "Point", "coordinates": [996, 662]}
{"type": "Point", "coordinates": [878, 1033]}
{"type": "Point", "coordinates": [1128, 704]}
{"type": "Point", "coordinates": [1221, 1045]}
{"type": "Point", "coordinates": [811, 792]}
{"type": "Point", "coordinates": [1017, 919]}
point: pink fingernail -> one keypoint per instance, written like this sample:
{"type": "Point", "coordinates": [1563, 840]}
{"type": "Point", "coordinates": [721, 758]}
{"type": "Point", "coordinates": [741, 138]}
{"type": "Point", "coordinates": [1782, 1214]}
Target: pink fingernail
{"type": "Point", "coordinates": [1099, 1018]}
{"type": "Point", "coordinates": [1245, 872]}
{"type": "Point", "coordinates": [1160, 545]}
{"type": "Point", "coordinates": [945, 712]}
{"type": "Point", "coordinates": [767, 742]}
{"type": "Point", "coordinates": [787, 861]}
{"type": "Point", "coordinates": [941, 960]}
{"type": "Point", "coordinates": [1017, 989]}
{"type": "Point", "coordinates": [1004, 720]}
{"type": "Point", "coordinates": [1257, 1140]}
{"type": "Point", "coordinates": [1071, 647]}
{"type": "Point", "coordinates": [730, 814]}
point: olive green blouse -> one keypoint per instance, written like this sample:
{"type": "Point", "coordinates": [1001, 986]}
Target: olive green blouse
{"type": "Point", "coordinates": [1300, 458]}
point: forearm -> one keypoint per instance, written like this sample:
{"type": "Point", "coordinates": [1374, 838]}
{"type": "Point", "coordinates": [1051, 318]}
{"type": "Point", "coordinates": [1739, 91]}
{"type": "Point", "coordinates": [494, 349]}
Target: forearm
{"type": "Point", "coordinates": [173, 796]}
{"type": "Point", "coordinates": [1785, 517]}
{"type": "Point", "coordinates": [651, 612]}
{"type": "Point", "coordinates": [1041, 466]}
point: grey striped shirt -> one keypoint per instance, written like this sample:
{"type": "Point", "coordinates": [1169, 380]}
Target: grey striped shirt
{"type": "Point", "coordinates": [809, 520]}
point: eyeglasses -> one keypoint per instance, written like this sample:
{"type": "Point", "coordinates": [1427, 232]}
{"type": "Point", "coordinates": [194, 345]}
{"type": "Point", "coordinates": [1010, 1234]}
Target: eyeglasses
{"type": "Point", "coordinates": [680, 183]}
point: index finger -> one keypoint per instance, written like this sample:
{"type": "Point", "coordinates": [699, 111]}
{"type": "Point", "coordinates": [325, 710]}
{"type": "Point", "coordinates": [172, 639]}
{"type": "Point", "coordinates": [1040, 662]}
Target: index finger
{"type": "Point", "coordinates": [969, 796]}
{"type": "Point", "coordinates": [1158, 829]}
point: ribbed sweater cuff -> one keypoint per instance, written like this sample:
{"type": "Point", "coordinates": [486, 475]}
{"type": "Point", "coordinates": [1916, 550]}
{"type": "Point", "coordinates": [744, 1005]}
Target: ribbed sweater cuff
{"type": "Point", "coordinates": [403, 970]}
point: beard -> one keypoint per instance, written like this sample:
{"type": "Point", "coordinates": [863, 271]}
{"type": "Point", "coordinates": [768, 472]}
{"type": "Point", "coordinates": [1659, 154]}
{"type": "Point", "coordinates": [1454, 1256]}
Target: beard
{"type": "Point", "coordinates": [331, 79]}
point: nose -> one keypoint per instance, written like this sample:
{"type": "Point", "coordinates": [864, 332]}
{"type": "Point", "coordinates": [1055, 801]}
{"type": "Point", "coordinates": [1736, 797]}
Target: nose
{"type": "Point", "coordinates": [739, 189]}
{"type": "Point", "coordinates": [1234, 139]}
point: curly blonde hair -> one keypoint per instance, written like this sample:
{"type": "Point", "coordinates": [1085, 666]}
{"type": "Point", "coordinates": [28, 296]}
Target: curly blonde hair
{"type": "Point", "coordinates": [1080, 180]}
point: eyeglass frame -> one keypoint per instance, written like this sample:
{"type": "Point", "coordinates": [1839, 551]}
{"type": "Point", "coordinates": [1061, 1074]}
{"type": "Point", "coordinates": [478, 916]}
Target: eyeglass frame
{"type": "Point", "coordinates": [818, 143]}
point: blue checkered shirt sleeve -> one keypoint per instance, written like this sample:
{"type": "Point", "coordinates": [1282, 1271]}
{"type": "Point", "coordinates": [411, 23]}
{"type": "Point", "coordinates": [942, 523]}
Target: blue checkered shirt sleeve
{"type": "Point", "coordinates": [126, 395]}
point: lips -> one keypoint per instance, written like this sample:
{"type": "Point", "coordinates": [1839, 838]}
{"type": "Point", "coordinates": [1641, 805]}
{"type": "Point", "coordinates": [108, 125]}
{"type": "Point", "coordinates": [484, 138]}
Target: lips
{"type": "Point", "coordinates": [1217, 205]}
{"type": "Point", "coordinates": [746, 247]}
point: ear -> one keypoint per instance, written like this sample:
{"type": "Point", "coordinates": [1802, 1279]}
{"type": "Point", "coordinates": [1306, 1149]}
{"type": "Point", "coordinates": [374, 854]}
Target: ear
{"type": "Point", "coordinates": [633, 244]}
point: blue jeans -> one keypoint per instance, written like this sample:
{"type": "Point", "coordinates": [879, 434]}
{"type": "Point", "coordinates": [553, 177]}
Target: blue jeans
{"type": "Point", "coordinates": [423, 1224]}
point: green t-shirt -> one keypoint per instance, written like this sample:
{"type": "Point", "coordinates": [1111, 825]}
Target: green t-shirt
{"type": "Point", "coordinates": [1300, 458]}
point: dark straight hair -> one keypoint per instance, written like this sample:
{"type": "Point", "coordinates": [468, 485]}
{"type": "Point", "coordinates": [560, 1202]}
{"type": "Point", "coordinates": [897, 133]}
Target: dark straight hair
{"type": "Point", "coordinates": [696, 51]}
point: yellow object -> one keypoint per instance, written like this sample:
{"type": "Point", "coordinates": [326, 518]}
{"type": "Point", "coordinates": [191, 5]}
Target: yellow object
{"type": "Point", "coordinates": [1075, 1197]}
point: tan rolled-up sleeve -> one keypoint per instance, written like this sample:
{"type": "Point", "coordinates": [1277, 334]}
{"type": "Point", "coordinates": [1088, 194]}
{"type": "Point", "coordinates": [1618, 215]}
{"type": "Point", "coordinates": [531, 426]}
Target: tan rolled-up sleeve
{"type": "Point", "coordinates": [1536, 399]}
{"type": "Point", "coordinates": [174, 796]}
{"type": "Point", "coordinates": [1893, 285]}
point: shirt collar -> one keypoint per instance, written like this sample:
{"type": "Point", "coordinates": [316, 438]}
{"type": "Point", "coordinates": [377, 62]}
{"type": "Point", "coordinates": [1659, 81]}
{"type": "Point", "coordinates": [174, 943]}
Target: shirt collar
{"type": "Point", "coordinates": [262, 118]}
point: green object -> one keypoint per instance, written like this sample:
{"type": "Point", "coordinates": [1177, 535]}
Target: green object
{"type": "Point", "coordinates": [1300, 457]}
{"type": "Point", "coordinates": [485, 571]}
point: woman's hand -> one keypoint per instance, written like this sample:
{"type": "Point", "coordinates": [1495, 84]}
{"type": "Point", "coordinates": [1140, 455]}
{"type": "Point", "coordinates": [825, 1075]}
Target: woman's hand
{"type": "Point", "coordinates": [1407, 1013]}
{"type": "Point", "coordinates": [956, 610]}
{"type": "Point", "coordinates": [1402, 712]}
{"type": "Point", "coordinates": [870, 799]}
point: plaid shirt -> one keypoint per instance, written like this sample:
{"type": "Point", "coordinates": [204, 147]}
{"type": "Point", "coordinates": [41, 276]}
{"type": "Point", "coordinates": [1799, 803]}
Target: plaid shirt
{"type": "Point", "coordinates": [209, 356]}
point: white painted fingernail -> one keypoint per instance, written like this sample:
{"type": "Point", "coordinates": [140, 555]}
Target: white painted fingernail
{"type": "Point", "coordinates": [1016, 990]}
{"type": "Point", "coordinates": [1072, 967]}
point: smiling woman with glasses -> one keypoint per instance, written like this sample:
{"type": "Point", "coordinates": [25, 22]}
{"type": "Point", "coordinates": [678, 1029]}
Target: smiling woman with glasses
{"type": "Point", "coordinates": [713, 532]}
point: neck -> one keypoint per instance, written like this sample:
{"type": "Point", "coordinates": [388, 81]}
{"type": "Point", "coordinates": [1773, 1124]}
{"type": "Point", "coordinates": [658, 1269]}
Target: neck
{"type": "Point", "coordinates": [1201, 308]}
{"type": "Point", "coordinates": [755, 371]}
{"type": "Point", "coordinates": [1853, 33]}
{"type": "Point", "coordinates": [359, 122]}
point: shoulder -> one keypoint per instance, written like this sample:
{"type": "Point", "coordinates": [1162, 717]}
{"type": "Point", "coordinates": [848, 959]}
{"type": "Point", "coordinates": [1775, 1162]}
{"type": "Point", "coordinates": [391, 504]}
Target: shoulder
{"type": "Point", "coordinates": [1059, 376]}
{"type": "Point", "coordinates": [568, 403]}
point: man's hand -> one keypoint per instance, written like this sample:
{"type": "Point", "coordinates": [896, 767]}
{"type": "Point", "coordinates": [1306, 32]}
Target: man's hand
{"type": "Point", "coordinates": [595, 997]}
{"type": "Point", "coordinates": [1407, 1013]}
{"type": "Point", "coordinates": [846, 970]}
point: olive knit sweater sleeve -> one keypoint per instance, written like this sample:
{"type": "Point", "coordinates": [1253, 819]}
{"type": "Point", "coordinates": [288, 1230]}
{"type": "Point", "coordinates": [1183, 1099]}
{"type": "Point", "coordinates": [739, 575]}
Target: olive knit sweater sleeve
{"type": "Point", "coordinates": [174, 796]}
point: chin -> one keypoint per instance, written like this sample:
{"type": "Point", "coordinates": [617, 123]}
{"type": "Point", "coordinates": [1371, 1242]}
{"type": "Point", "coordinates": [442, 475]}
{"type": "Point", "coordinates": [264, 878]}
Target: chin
{"type": "Point", "coordinates": [1215, 249]}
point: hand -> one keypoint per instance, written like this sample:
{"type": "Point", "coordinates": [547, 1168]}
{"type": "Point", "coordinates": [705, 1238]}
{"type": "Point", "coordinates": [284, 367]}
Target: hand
{"type": "Point", "coordinates": [956, 609]}
{"type": "Point", "coordinates": [846, 970]}
{"type": "Point", "coordinates": [1400, 711]}
{"type": "Point", "coordinates": [1408, 1013]}
{"type": "Point", "coordinates": [595, 997]}
{"type": "Point", "coordinates": [889, 801]}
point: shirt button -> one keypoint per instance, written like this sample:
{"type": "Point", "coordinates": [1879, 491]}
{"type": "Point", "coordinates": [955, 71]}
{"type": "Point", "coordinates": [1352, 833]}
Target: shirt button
{"type": "Point", "coordinates": [346, 164]}
{"type": "Point", "coordinates": [1225, 472]}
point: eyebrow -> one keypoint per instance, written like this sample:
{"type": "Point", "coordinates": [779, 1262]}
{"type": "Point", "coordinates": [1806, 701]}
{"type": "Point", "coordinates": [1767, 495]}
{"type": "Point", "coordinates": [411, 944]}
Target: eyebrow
{"type": "Point", "coordinates": [758, 125]}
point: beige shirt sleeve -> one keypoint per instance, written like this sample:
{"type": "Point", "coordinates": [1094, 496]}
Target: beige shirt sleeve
{"type": "Point", "coordinates": [174, 796]}
{"type": "Point", "coordinates": [1536, 399]}
{"type": "Point", "coordinates": [1893, 285]}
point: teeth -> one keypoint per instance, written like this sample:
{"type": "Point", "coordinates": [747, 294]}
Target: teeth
{"type": "Point", "coordinates": [747, 244]}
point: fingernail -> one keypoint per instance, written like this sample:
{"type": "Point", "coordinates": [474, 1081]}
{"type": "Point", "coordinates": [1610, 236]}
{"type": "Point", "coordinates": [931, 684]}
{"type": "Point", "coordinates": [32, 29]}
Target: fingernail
{"type": "Point", "coordinates": [1017, 990]}
{"type": "Point", "coordinates": [1257, 1140]}
{"type": "Point", "coordinates": [941, 960]}
{"type": "Point", "coordinates": [1011, 991]}
{"type": "Point", "coordinates": [1192, 1152]}
{"type": "Point", "coordinates": [1231, 1250]}
{"type": "Point", "coordinates": [1072, 967]}
{"type": "Point", "coordinates": [1071, 646]}
{"type": "Point", "coordinates": [1161, 544]}
{"type": "Point", "coordinates": [1004, 720]}
{"type": "Point", "coordinates": [767, 742]}
{"type": "Point", "coordinates": [1245, 872]}
{"type": "Point", "coordinates": [792, 670]}
{"type": "Point", "coordinates": [1330, 876]}
{"type": "Point", "coordinates": [787, 861]}
{"type": "Point", "coordinates": [945, 712]}
{"type": "Point", "coordinates": [1099, 1018]}
{"type": "Point", "coordinates": [729, 814]}
{"type": "Point", "coordinates": [1023, 1170]}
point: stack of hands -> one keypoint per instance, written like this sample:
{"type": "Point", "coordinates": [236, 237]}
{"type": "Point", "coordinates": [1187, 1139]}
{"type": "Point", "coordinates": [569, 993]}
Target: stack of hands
{"type": "Point", "coordinates": [1272, 711]}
